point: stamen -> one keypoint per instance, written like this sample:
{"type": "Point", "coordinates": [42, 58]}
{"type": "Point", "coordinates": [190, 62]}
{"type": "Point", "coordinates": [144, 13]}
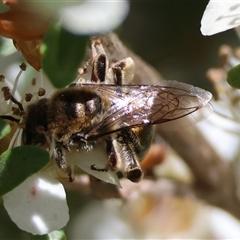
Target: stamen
{"type": "Point", "coordinates": [28, 97]}
{"type": "Point", "coordinates": [16, 111]}
{"type": "Point", "coordinates": [16, 81]}
{"type": "Point", "coordinates": [34, 80]}
{"type": "Point", "coordinates": [41, 79]}
{"type": "Point", "coordinates": [52, 144]}
{"type": "Point", "coordinates": [41, 92]}
{"type": "Point", "coordinates": [13, 99]}
{"type": "Point", "coordinates": [23, 66]}
{"type": "Point", "coordinates": [2, 78]}
{"type": "Point", "coordinates": [35, 96]}
{"type": "Point", "coordinates": [15, 135]}
{"type": "Point", "coordinates": [10, 118]}
{"type": "Point", "coordinates": [19, 138]}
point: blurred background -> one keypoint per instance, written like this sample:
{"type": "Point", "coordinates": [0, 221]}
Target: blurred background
{"type": "Point", "coordinates": [167, 34]}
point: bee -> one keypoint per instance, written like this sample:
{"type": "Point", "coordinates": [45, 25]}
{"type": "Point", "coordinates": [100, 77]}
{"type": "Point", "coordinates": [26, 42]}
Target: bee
{"type": "Point", "coordinates": [107, 109]}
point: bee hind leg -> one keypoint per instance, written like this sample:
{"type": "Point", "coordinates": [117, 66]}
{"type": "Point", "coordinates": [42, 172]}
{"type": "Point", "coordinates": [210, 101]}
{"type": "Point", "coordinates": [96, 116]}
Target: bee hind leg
{"type": "Point", "coordinates": [62, 162]}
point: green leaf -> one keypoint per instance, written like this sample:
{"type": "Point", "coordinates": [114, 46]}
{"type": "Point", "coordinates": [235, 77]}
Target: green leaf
{"type": "Point", "coordinates": [4, 128]}
{"type": "Point", "coordinates": [62, 54]}
{"type": "Point", "coordinates": [233, 76]}
{"type": "Point", "coordinates": [19, 163]}
{"type": "Point", "coordinates": [54, 235]}
{"type": "Point", "coordinates": [3, 7]}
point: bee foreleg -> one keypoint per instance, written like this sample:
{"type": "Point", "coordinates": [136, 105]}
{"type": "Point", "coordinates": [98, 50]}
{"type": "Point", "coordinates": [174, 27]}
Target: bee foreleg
{"type": "Point", "coordinates": [62, 162]}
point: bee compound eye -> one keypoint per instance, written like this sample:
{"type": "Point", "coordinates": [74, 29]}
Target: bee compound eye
{"type": "Point", "coordinates": [135, 175]}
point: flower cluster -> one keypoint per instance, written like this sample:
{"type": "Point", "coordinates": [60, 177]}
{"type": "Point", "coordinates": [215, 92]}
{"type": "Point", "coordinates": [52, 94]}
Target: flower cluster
{"type": "Point", "coordinates": [220, 16]}
{"type": "Point", "coordinates": [38, 204]}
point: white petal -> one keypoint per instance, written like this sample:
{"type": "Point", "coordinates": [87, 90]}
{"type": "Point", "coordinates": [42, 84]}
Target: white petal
{"type": "Point", "coordinates": [97, 157]}
{"type": "Point", "coordinates": [219, 218]}
{"type": "Point", "coordinates": [91, 17]}
{"type": "Point", "coordinates": [219, 16]}
{"type": "Point", "coordinates": [38, 205]}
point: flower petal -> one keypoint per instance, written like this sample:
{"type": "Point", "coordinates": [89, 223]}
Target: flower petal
{"type": "Point", "coordinates": [91, 17]}
{"type": "Point", "coordinates": [30, 51]}
{"type": "Point", "coordinates": [22, 25]}
{"type": "Point", "coordinates": [97, 157]}
{"type": "Point", "coordinates": [220, 16]}
{"type": "Point", "coordinates": [38, 205]}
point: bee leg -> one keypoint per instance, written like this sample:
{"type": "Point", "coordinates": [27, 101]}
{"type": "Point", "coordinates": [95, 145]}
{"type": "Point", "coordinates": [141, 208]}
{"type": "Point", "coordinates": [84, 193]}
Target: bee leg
{"type": "Point", "coordinates": [118, 163]}
{"type": "Point", "coordinates": [123, 160]}
{"type": "Point", "coordinates": [110, 165]}
{"type": "Point", "coordinates": [123, 71]}
{"type": "Point", "coordinates": [100, 62]}
{"type": "Point", "coordinates": [61, 161]}
{"type": "Point", "coordinates": [99, 69]}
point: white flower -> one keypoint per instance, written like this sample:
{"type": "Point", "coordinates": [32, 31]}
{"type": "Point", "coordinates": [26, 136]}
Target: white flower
{"type": "Point", "coordinates": [98, 157]}
{"type": "Point", "coordinates": [91, 17]}
{"type": "Point", "coordinates": [85, 17]}
{"type": "Point", "coordinates": [219, 16]}
{"type": "Point", "coordinates": [38, 205]}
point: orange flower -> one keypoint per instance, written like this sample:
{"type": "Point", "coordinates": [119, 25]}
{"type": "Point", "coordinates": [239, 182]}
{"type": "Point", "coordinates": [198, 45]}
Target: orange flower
{"type": "Point", "coordinates": [26, 27]}
{"type": "Point", "coordinates": [154, 157]}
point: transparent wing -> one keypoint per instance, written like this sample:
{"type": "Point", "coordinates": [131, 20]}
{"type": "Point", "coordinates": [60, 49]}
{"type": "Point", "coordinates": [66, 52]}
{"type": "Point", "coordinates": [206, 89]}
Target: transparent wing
{"type": "Point", "coordinates": [137, 105]}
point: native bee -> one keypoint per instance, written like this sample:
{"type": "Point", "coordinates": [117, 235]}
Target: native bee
{"type": "Point", "coordinates": [106, 109]}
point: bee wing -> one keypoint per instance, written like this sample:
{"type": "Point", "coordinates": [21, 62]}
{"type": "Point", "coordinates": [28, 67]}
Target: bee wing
{"type": "Point", "coordinates": [137, 105]}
